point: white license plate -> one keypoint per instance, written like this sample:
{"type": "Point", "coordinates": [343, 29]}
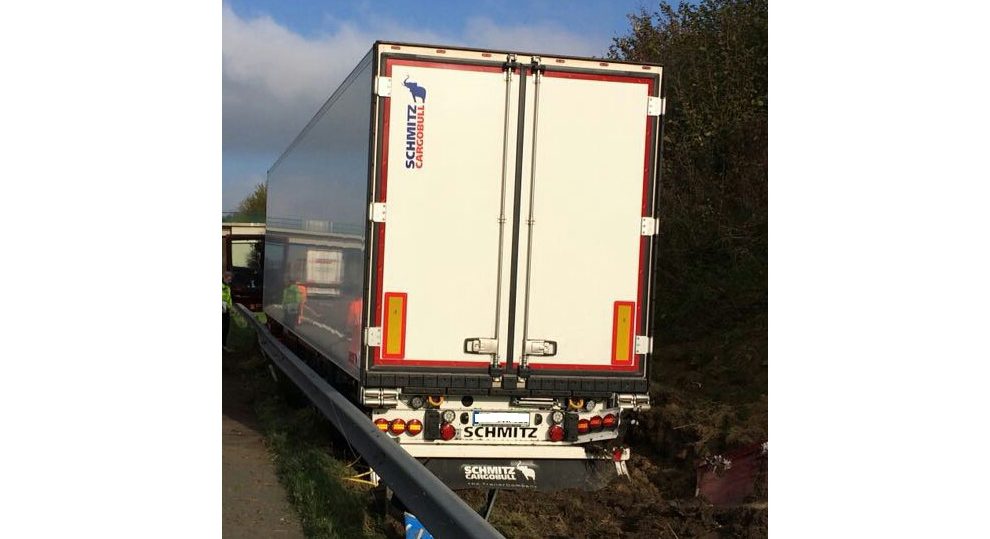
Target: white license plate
{"type": "Point", "coordinates": [501, 418]}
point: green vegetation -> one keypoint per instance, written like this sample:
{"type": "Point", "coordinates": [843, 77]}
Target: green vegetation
{"type": "Point", "coordinates": [303, 450]}
{"type": "Point", "coordinates": [710, 374]}
{"type": "Point", "coordinates": [252, 208]}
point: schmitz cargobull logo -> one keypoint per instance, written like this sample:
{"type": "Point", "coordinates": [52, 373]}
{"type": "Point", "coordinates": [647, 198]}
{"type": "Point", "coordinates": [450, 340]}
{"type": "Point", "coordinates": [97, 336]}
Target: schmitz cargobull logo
{"type": "Point", "coordinates": [519, 472]}
{"type": "Point", "coordinates": [415, 120]}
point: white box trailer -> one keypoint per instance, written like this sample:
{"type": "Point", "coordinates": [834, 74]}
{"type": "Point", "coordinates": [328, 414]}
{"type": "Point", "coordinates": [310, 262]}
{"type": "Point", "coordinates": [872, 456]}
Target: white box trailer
{"type": "Point", "coordinates": [501, 211]}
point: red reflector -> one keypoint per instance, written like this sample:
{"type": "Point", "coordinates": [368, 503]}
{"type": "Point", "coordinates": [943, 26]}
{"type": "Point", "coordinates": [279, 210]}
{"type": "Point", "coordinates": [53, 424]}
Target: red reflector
{"type": "Point", "coordinates": [582, 426]}
{"type": "Point", "coordinates": [610, 421]}
{"type": "Point", "coordinates": [414, 427]}
{"type": "Point", "coordinates": [556, 433]}
{"type": "Point", "coordinates": [382, 424]}
{"type": "Point", "coordinates": [595, 423]}
{"type": "Point", "coordinates": [617, 454]}
{"type": "Point", "coordinates": [447, 431]}
{"type": "Point", "coordinates": [397, 426]}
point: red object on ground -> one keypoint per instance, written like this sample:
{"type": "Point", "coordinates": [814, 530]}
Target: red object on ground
{"type": "Point", "coordinates": [729, 480]}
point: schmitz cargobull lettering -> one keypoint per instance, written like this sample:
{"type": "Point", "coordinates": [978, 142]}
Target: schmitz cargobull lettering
{"type": "Point", "coordinates": [500, 432]}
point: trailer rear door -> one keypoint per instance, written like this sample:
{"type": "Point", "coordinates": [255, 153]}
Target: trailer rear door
{"type": "Point", "coordinates": [440, 180]}
{"type": "Point", "coordinates": [590, 186]}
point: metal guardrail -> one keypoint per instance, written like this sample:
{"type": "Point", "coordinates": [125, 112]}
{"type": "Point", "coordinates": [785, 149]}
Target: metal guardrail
{"type": "Point", "coordinates": [444, 513]}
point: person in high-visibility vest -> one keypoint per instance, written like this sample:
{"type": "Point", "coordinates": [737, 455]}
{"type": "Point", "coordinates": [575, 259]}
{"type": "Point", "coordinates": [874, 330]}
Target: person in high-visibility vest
{"type": "Point", "coordinates": [228, 304]}
{"type": "Point", "coordinates": [292, 301]}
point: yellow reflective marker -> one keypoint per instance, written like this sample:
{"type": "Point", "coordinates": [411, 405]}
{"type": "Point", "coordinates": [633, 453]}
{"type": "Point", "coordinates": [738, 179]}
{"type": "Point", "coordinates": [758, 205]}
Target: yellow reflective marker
{"type": "Point", "coordinates": [394, 332]}
{"type": "Point", "coordinates": [623, 319]}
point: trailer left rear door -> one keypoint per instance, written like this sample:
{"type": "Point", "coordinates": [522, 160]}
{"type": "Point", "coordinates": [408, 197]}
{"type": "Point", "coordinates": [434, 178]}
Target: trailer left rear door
{"type": "Point", "coordinates": [440, 190]}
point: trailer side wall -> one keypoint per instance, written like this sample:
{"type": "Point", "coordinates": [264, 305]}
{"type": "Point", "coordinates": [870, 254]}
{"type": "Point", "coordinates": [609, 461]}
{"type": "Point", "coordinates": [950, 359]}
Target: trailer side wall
{"type": "Point", "coordinates": [317, 202]}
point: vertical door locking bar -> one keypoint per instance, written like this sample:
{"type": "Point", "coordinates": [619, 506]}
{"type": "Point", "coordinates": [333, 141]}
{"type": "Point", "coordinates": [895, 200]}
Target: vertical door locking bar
{"type": "Point", "coordinates": [537, 69]}
{"type": "Point", "coordinates": [509, 66]}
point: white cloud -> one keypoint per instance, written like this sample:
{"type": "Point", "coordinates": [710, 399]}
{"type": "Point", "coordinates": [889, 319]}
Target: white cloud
{"type": "Point", "coordinates": [541, 38]}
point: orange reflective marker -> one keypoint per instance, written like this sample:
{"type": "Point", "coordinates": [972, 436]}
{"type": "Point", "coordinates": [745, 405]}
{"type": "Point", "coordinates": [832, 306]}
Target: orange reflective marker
{"type": "Point", "coordinates": [623, 319]}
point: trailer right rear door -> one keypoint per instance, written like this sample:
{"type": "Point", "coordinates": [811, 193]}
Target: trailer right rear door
{"type": "Point", "coordinates": [585, 246]}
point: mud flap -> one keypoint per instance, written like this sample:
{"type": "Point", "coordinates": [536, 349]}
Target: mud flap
{"type": "Point", "coordinates": [535, 474]}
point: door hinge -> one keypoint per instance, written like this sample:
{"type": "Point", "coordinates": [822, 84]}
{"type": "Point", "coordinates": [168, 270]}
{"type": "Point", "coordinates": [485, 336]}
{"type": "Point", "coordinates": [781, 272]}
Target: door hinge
{"type": "Point", "coordinates": [376, 212]}
{"type": "Point", "coordinates": [480, 346]}
{"type": "Point", "coordinates": [644, 345]}
{"type": "Point", "coordinates": [655, 106]}
{"type": "Point", "coordinates": [373, 336]}
{"type": "Point", "coordinates": [383, 86]}
{"type": "Point", "coordinates": [541, 348]}
{"type": "Point", "coordinates": [649, 226]}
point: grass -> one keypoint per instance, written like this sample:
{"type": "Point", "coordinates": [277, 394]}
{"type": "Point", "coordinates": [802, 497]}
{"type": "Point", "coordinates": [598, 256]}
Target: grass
{"type": "Point", "coordinates": [307, 458]}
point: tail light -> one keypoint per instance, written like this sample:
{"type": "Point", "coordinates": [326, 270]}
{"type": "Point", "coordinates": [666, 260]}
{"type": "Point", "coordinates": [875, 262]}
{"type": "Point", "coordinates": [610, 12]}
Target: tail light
{"type": "Point", "coordinates": [595, 423]}
{"type": "Point", "coordinates": [382, 424]}
{"type": "Point", "coordinates": [582, 426]}
{"type": "Point", "coordinates": [397, 427]}
{"type": "Point", "coordinates": [556, 433]}
{"type": "Point", "coordinates": [610, 421]}
{"type": "Point", "coordinates": [414, 427]}
{"type": "Point", "coordinates": [447, 431]}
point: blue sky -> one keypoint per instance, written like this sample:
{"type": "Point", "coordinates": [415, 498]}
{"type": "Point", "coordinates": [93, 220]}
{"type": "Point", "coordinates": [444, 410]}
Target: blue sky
{"type": "Point", "coordinates": [282, 59]}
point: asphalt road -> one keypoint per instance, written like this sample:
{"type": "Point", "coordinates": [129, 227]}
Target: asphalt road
{"type": "Point", "coordinates": [254, 503]}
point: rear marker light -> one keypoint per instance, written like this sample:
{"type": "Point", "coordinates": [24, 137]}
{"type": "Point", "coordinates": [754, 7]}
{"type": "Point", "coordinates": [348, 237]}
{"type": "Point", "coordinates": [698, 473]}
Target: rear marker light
{"type": "Point", "coordinates": [414, 427]}
{"type": "Point", "coordinates": [556, 433]}
{"type": "Point", "coordinates": [447, 431]}
{"type": "Point", "coordinates": [382, 424]}
{"type": "Point", "coordinates": [397, 426]}
{"type": "Point", "coordinates": [595, 423]}
{"type": "Point", "coordinates": [617, 454]}
{"type": "Point", "coordinates": [610, 421]}
{"type": "Point", "coordinates": [582, 426]}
